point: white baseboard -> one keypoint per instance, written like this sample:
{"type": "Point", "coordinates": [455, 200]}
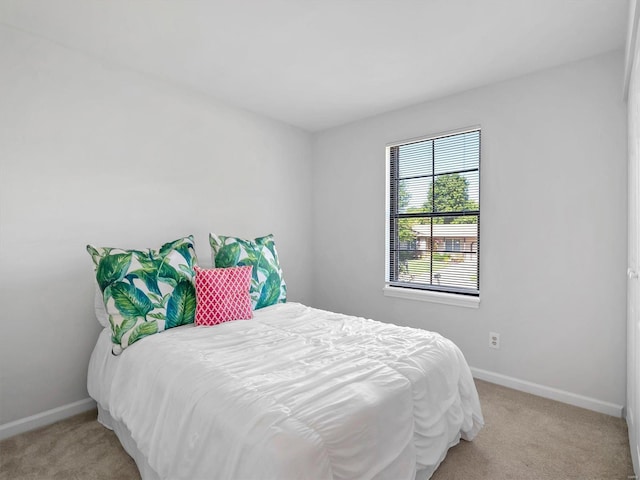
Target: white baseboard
{"type": "Point", "coordinates": [549, 392]}
{"type": "Point", "coordinates": [45, 418]}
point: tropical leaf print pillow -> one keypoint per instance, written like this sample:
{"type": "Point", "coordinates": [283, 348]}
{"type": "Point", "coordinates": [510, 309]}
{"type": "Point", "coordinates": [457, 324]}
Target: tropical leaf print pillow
{"type": "Point", "coordinates": [146, 291]}
{"type": "Point", "coordinates": [267, 283]}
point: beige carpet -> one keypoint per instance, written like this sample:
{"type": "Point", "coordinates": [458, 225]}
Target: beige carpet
{"type": "Point", "coordinates": [525, 437]}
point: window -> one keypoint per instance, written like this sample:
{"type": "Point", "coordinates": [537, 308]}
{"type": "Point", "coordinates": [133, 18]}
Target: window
{"type": "Point", "coordinates": [452, 244]}
{"type": "Point", "coordinates": [433, 207]}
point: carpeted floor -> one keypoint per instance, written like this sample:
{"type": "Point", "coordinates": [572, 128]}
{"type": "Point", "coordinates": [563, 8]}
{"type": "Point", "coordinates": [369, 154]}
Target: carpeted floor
{"type": "Point", "coordinates": [525, 437]}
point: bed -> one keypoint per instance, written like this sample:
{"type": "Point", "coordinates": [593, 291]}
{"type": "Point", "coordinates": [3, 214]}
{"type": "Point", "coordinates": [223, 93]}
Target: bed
{"type": "Point", "coordinates": [293, 393]}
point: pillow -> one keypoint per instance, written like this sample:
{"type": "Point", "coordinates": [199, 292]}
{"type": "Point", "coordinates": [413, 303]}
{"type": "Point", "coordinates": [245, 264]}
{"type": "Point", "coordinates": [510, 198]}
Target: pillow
{"type": "Point", "coordinates": [101, 311]}
{"type": "Point", "coordinates": [267, 282]}
{"type": "Point", "coordinates": [146, 291]}
{"type": "Point", "coordinates": [222, 295]}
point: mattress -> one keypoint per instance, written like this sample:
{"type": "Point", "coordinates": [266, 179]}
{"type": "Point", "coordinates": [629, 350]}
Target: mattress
{"type": "Point", "coordinates": [295, 392]}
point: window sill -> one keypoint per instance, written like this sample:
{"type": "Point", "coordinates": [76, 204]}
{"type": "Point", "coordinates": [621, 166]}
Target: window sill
{"type": "Point", "coordinates": [433, 297]}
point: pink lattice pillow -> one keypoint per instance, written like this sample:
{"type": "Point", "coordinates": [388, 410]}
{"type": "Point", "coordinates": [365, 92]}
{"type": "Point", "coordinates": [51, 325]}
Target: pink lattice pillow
{"type": "Point", "coordinates": [222, 295]}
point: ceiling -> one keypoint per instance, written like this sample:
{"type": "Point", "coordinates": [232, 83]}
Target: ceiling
{"type": "Point", "coordinates": [321, 63]}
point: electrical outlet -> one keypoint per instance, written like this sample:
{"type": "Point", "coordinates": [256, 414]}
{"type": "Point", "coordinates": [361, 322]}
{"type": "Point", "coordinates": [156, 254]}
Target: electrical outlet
{"type": "Point", "coordinates": [494, 340]}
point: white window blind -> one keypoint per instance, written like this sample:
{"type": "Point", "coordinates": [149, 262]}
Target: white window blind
{"type": "Point", "coordinates": [434, 213]}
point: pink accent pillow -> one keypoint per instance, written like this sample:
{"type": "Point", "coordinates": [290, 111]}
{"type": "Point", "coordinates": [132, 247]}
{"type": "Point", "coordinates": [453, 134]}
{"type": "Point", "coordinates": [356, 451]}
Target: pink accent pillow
{"type": "Point", "coordinates": [222, 295]}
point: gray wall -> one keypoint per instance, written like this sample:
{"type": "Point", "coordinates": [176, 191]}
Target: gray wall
{"type": "Point", "coordinates": [93, 154]}
{"type": "Point", "coordinates": [553, 241]}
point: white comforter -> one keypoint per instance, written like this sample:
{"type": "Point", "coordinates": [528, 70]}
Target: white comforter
{"type": "Point", "coordinates": [293, 393]}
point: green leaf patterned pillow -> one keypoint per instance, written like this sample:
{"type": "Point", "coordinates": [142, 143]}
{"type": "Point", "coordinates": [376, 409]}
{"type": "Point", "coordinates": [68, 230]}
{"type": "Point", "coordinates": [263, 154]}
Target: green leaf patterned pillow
{"type": "Point", "coordinates": [267, 282]}
{"type": "Point", "coordinates": [146, 291]}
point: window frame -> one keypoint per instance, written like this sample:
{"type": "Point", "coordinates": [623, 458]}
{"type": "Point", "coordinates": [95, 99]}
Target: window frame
{"type": "Point", "coordinates": [426, 292]}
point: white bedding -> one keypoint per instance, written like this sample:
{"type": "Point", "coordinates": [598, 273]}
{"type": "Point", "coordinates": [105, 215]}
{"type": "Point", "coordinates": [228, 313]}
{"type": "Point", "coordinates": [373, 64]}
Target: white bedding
{"type": "Point", "coordinates": [293, 393]}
